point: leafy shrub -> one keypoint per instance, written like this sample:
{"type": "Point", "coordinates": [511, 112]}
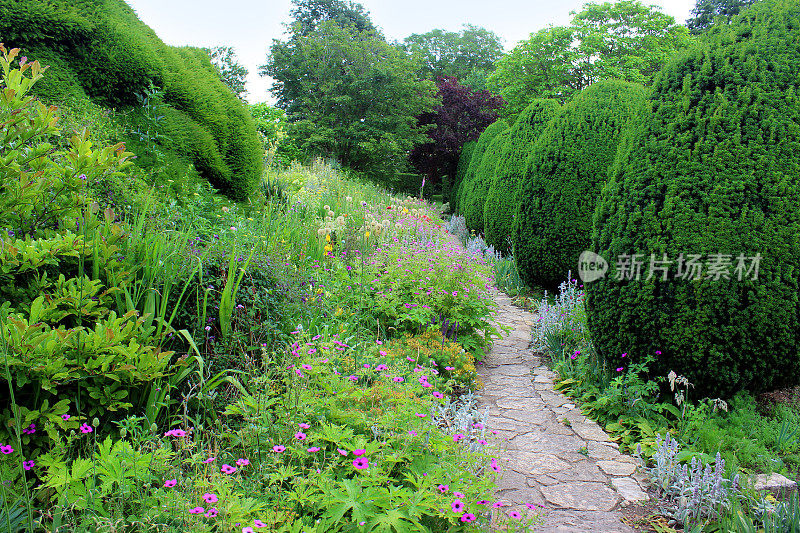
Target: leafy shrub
{"type": "Point", "coordinates": [484, 141]}
{"type": "Point", "coordinates": [451, 192]}
{"type": "Point", "coordinates": [567, 168]}
{"type": "Point", "coordinates": [101, 49]}
{"type": "Point", "coordinates": [501, 199]}
{"type": "Point", "coordinates": [475, 197]}
{"type": "Point", "coordinates": [711, 171]}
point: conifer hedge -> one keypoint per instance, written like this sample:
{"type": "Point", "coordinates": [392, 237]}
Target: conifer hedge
{"type": "Point", "coordinates": [568, 165]}
{"type": "Point", "coordinates": [475, 197]}
{"type": "Point", "coordinates": [101, 50]}
{"type": "Point", "coordinates": [501, 199]}
{"type": "Point", "coordinates": [480, 149]}
{"type": "Point", "coordinates": [463, 164]}
{"type": "Point", "coordinates": [712, 171]}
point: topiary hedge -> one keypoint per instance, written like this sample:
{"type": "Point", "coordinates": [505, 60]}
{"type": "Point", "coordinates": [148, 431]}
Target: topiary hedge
{"type": "Point", "coordinates": [482, 145]}
{"type": "Point", "coordinates": [100, 49]}
{"type": "Point", "coordinates": [501, 199]}
{"type": "Point", "coordinates": [461, 171]}
{"type": "Point", "coordinates": [713, 171]}
{"type": "Point", "coordinates": [475, 197]}
{"type": "Point", "coordinates": [567, 167]}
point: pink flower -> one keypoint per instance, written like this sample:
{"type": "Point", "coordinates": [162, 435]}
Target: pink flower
{"type": "Point", "coordinates": [228, 469]}
{"type": "Point", "coordinates": [259, 523]}
{"type": "Point", "coordinates": [6, 449]}
{"type": "Point", "coordinates": [498, 504]}
{"type": "Point", "coordinates": [299, 436]}
{"type": "Point", "coordinates": [306, 367]}
{"type": "Point", "coordinates": [482, 442]}
{"type": "Point", "coordinates": [381, 367]}
{"type": "Point", "coordinates": [468, 517]}
{"type": "Point", "coordinates": [410, 358]}
{"type": "Point", "coordinates": [449, 368]}
{"type": "Point", "coordinates": [86, 428]}
{"type": "Point", "coordinates": [27, 465]}
{"type": "Point", "coordinates": [210, 497]}
{"type": "Point", "coordinates": [458, 437]}
{"type": "Point", "coordinates": [197, 510]}
{"type": "Point", "coordinates": [383, 353]}
{"type": "Point", "coordinates": [247, 529]}
{"type": "Point", "coordinates": [421, 415]}
{"type": "Point", "coordinates": [515, 515]}
{"type": "Point", "coordinates": [483, 502]}
{"type": "Point", "coordinates": [457, 506]}
{"type": "Point", "coordinates": [359, 452]}
{"type": "Point", "coordinates": [459, 495]}
{"type": "Point", "coordinates": [361, 463]}
{"type": "Point", "coordinates": [352, 377]}
{"type": "Point", "coordinates": [173, 433]}
{"type": "Point", "coordinates": [477, 425]}
{"type": "Point", "coordinates": [493, 465]}
{"type": "Point", "coordinates": [303, 425]}
{"type": "Point", "coordinates": [437, 394]}
{"type": "Point", "coordinates": [620, 369]}
{"type": "Point", "coordinates": [209, 460]}
{"type": "Point", "coordinates": [342, 452]}
{"type": "Point", "coordinates": [64, 417]}
{"type": "Point", "coordinates": [170, 483]}
{"type": "Point", "coordinates": [398, 379]}
{"type": "Point", "coordinates": [211, 513]}
{"type": "Point", "coordinates": [278, 448]}
{"type": "Point", "coordinates": [412, 432]}
{"type": "Point", "coordinates": [242, 462]}
{"type": "Point", "coordinates": [443, 488]}
{"type": "Point", "coordinates": [313, 449]}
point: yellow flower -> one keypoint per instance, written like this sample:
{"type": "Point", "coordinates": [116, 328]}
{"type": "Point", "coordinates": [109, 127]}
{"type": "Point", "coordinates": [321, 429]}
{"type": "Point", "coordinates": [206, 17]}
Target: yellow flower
{"type": "Point", "coordinates": [367, 234]}
{"type": "Point", "coordinates": [328, 237]}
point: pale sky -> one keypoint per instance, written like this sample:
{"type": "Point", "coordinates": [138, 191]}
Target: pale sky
{"type": "Point", "coordinates": [249, 25]}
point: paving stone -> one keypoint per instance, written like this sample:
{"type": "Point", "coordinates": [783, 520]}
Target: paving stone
{"type": "Point", "coordinates": [590, 431]}
{"type": "Point", "coordinates": [617, 468]}
{"type": "Point", "coordinates": [629, 489]}
{"type": "Point", "coordinates": [599, 450]}
{"type": "Point", "coordinates": [581, 496]}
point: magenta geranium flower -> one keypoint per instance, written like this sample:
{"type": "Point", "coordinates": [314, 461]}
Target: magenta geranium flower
{"type": "Point", "coordinates": [421, 415]}
{"type": "Point", "coordinates": [259, 523]}
{"type": "Point", "coordinates": [458, 437]}
{"type": "Point", "coordinates": [303, 425]}
{"type": "Point", "coordinates": [278, 448]}
{"type": "Point", "coordinates": [211, 513]}
{"type": "Point", "coordinates": [468, 517]}
{"type": "Point", "coordinates": [412, 432]}
{"type": "Point", "coordinates": [515, 515]}
{"type": "Point", "coordinates": [6, 449]}
{"type": "Point", "coordinates": [361, 463]}
{"type": "Point", "coordinates": [170, 483]}
{"type": "Point", "coordinates": [459, 495]}
{"type": "Point", "coordinates": [197, 510]}
{"type": "Point", "coordinates": [209, 460]}
{"type": "Point", "coordinates": [210, 497]}
{"type": "Point", "coordinates": [359, 452]}
{"type": "Point", "coordinates": [498, 504]}
{"type": "Point", "coordinates": [457, 506]}
{"type": "Point", "coordinates": [228, 469]}
{"type": "Point", "coordinates": [437, 394]}
{"type": "Point", "coordinates": [313, 449]}
{"type": "Point", "coordinates": [398, 379]}
{"type": "Point", "coordinates": [242, 462]}
{"type": "Point", "coordinates": [27, 465]}
{"type": "Point", "coordinates": [247, 529]}
{"type": "Point", "coordinates": [341, 451]}
{"type": "Point", "coordinates": [299, 436]}
{"type": "Point", "coordinates": [65, 417]}
{"type": "Point", "coordinates": [86, 428]}
{"type": "Point", "coordinates": [443, 488]}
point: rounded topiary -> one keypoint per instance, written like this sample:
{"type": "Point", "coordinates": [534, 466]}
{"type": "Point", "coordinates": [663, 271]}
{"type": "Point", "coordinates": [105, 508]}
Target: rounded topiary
{"type": "Point", "coordinates": [712, 171]}
{"type": "Point", "coordinates": [475, 197]}
{"type": "Point", "coordinates": [463, 164]}
{"type": "Point", "coordinates": [568, 165]}
{"type": "Point", "coordinates": [480, 149]}
{"type": "Point", "coordinates": [501, 199]}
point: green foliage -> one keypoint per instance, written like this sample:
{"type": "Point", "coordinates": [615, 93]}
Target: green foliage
{"type": "Point", "coordinates": [568, 165]}
{"type": "Point", "coordinates": [468, 55]}
{"type": "Point", "coordinates": [481, 148]}
{"type": "Point", "coordinates": [101, 49]}
{"type": "Point", "coordinates": [451, 192]}
{"type": "Point", "coordinates": [708, 12]}
{"type": "Point", "coordinates": [624, 40]}
{"type": "Point", "coordinates": [501, 200]}
{"type": "Point", "coordinates": [475, 197]}
{"type": "Point", "coordinates": [363, 115]}
{"type": "Point", "coordinates": [709, 172]}
{"type": "Point", "coordinates": [230, 71]}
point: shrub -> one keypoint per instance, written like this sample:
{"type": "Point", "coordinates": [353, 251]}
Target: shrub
{"type": "Point", "coordinates": [501, 198]}
{"type": "Point", "coordinates": [484, 141]}
{"type": "Point", "coordinates": [461, 171]}
{"type": "Point", "coordinates": [101, 49]}
{"type": "Point", "coordinates": [567, 168]}
{"type": "Point", "coordinates": [475, 196]}
{"type": "Point", "coordinates": [712, 171]}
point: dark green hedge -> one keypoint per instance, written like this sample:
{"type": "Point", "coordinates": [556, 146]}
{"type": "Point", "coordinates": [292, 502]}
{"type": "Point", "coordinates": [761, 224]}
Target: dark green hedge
{"type": "Point", "coordinates": [501, 198]}
{"type": "Point", "coordinates": [568, 165]}
{"type": "Point", "coordinates": [100, 49]}
{"type": "Point", "coordinates": [713, 170]}
{"type": "Point", "coordinates": [475, 197]}
{"type": "Point", "coordinates": [461, 171]}
{"type": "Point", "coordinates": [481, 147]}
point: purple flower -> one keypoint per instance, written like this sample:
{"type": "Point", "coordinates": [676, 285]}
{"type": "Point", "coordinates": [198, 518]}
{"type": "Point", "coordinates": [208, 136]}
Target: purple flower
{"type": "Point", "coordinates": [457, 506]}
{"type": "Point", "coordinates": [27, 465]}
{"type": "Point", "coordinates": [170, 483]}
{"type": "Point", "coordinates": [86, 428]}
{"type": "Point", "coordinates": [361, 463]}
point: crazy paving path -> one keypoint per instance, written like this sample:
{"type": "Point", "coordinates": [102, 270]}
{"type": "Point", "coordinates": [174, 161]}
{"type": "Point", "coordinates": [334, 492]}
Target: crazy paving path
{"type": "Point", "coordinates": [552, 455]}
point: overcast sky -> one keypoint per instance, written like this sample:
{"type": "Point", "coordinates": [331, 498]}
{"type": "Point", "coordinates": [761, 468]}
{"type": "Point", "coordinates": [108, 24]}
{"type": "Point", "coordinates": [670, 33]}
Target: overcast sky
{"type": "Point", "coordinates": [250, 25]}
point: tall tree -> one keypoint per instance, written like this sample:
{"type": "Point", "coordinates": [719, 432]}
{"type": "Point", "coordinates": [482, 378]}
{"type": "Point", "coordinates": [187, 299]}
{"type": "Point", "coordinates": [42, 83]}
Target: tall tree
{"type": "Point", "coordinates": [307, 14]}
{"type": "Point", "coordinates": [349, 93]}
{"type": "Point", "coordinates": [230, 71]}
{"type": "Point", "coordinates": [624, 40]}
{"type": "Point", "coordinates": [468, 55]}
{"type": "Point", "coordinates": [706, 12]}
{"type": "Point", "coordinates": [462, 115]}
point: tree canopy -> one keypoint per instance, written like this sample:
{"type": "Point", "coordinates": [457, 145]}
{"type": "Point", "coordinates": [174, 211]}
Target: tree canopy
{"type": "Point", "coordinates": [625, 40]}
{"type": "Point", "coordinates": [350, 94]}
{"type": "Point", "coordinates": [231, 72]}
{"type": "Point", "coordinates": [468, 55]}
{"type": "Point", "coordinates": [462, 115]}
{"type": "Point", "coordinates": [707, 12]}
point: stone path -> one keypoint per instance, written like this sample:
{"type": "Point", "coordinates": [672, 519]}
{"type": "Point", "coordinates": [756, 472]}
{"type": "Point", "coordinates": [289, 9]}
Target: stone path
{"type": "Point", "coordinates": [551, 454]}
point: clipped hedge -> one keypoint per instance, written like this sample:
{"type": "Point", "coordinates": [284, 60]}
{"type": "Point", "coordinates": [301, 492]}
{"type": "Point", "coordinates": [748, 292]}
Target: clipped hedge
{"type": "Point", "coordinates": [568, 166]}
{"type": "Point", "coordinates": [484, 141]}
{"type": "Point", "coordinates": [463, 164]}
{"type": "Point", "coordinates": [475, 197]}
{"type": "Point", "coordinates": [713, 170]}
{"type": "Point", "coordinates": [100, 49]}
{"type": "Point", "coordinates": [500, 202]}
